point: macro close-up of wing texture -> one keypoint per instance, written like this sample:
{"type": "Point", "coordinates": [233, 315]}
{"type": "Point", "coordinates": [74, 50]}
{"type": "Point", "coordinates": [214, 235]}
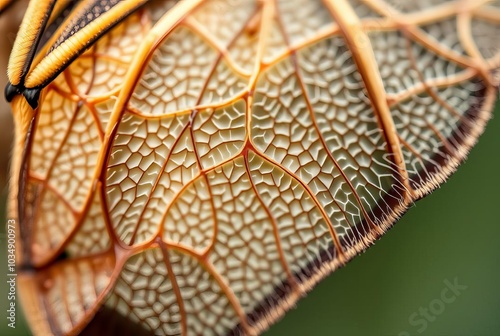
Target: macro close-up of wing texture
{"type": "Point", "coordinates": [196, 167]}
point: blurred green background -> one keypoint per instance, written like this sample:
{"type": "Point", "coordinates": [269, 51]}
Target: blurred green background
{"type": "Point", "coordinates": [452, 234]}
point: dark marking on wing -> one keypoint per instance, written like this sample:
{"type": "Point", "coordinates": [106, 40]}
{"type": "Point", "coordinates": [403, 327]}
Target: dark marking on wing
{"type": "Point", "coordinates": [109, 322]}
{"type": "Point", "coordinates": [11, 91]}
{"type": "Point", "coordinates": [62, 10]}
{"type": "Point", "coordinates": [32, 96]}
{"type": "Point", "coordinates": [90, 12]}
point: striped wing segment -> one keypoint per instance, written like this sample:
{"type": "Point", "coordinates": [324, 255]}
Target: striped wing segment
{"type": "Point", "coordinates": [221, 159]}
{"type": "Point", "coordinates": [30, 32]}
{"type": "Point", "coordinates": [87, 22]}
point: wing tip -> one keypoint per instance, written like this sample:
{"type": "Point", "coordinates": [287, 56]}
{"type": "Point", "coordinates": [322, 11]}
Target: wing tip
{"type": "Point", "coordinates": [32, 96]}
{"type": "Point", "coordinates": [11, 91]}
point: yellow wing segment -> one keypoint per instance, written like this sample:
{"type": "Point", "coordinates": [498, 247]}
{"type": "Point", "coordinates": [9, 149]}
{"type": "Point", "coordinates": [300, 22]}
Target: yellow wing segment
{"type": "Point", "coordinates": [29, 34]}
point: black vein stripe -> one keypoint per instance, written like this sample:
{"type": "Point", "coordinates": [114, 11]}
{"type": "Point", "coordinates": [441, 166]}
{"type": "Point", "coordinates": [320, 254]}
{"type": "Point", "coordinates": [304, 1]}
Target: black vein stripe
{"type": "Point", "coordinates": [62, 10]}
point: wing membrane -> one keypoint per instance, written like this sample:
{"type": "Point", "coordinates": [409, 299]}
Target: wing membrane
{"type": "Point", "coordinates": [247, 149]}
